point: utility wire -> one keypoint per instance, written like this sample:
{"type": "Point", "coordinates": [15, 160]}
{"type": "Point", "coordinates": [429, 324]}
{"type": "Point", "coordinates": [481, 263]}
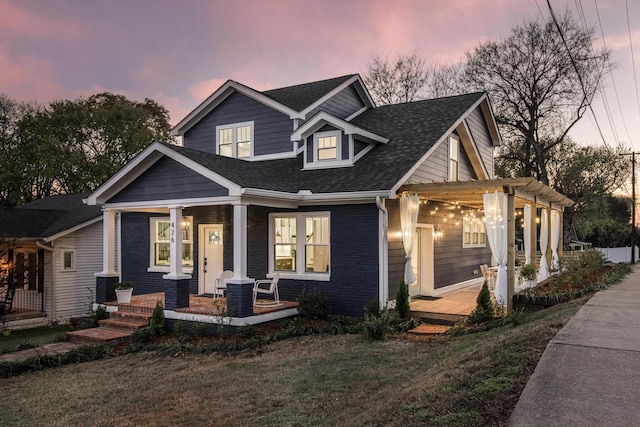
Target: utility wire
{"type": "Point", "coordinates": [575, 66]}
{"type": "Point", "coordinates": [613, 80]}
{"type": "Point", "coordinates": [633, 61]}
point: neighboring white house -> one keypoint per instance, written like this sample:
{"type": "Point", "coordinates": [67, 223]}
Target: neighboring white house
{"type": "Point", "coordinates": [54, 246]}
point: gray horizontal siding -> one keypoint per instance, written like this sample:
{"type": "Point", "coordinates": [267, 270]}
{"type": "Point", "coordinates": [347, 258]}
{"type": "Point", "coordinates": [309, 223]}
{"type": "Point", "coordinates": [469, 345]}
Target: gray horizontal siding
{"type": "Point", "coordinates": [342, 105]}
{"type": "Point", "coordinates": [453, 264]}
{"type": "Point", "coordinates": [481, 136]}
{"type": "Point", "coordinates": [271, 130]}
{"type": "Point", "coordinates": [436, 167]}
{"type": "Point", "coordinates": [166, 180]}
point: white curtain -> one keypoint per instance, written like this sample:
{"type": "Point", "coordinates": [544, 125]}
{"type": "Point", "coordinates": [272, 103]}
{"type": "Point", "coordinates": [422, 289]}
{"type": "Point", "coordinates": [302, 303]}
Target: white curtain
{"type": "Point", "coordinates": [543, 272]}
{"type": "Point", "coordinates": [527, 233]}
{"type": "Point", "coordinates": [495, 214]}
{"type": "Point", "coordinates": [409, 207]}
{"type": "Point", "coordinates": [555, 239]}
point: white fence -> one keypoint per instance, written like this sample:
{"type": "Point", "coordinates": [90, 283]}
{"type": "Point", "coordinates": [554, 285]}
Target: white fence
{"type": "Point", "coordinates": [618, 254]}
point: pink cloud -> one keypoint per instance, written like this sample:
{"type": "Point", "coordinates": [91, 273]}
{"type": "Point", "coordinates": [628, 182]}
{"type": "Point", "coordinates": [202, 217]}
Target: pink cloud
{"type": "Point", "coordinates": [27, 78]}
{"type": "Point", "coordinates": [17, 20]}
{"type": "Point", "coordinates": [201, 90]}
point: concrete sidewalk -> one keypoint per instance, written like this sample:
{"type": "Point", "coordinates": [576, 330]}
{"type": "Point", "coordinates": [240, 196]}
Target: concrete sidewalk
{"type": "Point", "coordinates": [589, 374]}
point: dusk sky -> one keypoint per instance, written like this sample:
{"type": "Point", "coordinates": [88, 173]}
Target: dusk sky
{"type": "Point", "coordinates": [179, 52]}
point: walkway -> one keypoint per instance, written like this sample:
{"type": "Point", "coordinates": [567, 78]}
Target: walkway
{"type": "Point", "coordinates": [590, 371]}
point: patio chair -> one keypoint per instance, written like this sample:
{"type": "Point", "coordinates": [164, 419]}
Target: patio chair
{"type": "Point", "coordinates": [221, 284]}
{"type": "Point", "coordinates": [268, 286]}
{"type": "Point", "coordinates": [488, 275]}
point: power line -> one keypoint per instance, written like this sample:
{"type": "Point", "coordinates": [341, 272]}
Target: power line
{"type": "Point", "coordinates": [633, 61]}
{"type": "Point", "coordinates": [575, 67]}
{"type": "Point", "coordinates": [610, 70]}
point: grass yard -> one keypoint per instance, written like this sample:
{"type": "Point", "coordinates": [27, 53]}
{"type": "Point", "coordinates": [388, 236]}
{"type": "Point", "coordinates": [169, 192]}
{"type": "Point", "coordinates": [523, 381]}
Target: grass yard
{"type": "Point", "coordinates": [28, 338]}
{"type": "Point", "coordinates": [315, 380]}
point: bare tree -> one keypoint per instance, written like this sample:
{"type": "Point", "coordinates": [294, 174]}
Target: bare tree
{"type": "Point", "coordinates": [400, 80]}
{"type": "Point", "coordinates": [540, 87]}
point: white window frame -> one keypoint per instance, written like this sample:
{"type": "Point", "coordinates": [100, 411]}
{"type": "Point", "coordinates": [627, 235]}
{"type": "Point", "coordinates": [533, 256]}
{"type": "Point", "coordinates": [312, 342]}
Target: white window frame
{"type": "Point", "coordinates": [152, 241]}
{"type": "Point", "coordinates": [453, 161]}
{"type": "Point", "coordinates": [338, 161]}
{"type": "Point", "coordinates": [299, 273]}
{"type": "Point", "coordinates": [63, 266]}
{"type": "Point", "coordinates": [475, 226]}
{"type": "Point", "coordinates": [234, 138]}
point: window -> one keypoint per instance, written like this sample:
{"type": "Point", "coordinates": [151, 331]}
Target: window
{"type": "Point", "coordinates": [235, 140]}
{"type": "Point", "coordinates": [453, 158]}
{"type": "Point", "coordinates": [326, 146]}
{"type": "Point", "coordinates": [286, 244]}
{"type": "Point", "coordinates": [161, 242]}
{"type": "Point", "coordinates": [474, 234]}
{"type": "Point", "coordinates": [68, 260]}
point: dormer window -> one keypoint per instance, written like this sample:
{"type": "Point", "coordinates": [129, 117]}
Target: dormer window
{"type": "Point", "coordinates": [235, 140]}
{"type": "Point", "coordinates": [326, 145]}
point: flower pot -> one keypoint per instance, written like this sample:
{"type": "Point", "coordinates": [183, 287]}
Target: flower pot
{"type": "Point", "coordinates": [124, 295]}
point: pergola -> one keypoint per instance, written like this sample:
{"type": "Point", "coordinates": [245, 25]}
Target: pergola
{"type": "Point", "coordinates": [519, 193]}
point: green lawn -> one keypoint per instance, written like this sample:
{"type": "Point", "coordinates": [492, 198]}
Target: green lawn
{"type": "Point", "coordinates": [315, 380]}
{"type": "Point", "coordinates": [17, 340]}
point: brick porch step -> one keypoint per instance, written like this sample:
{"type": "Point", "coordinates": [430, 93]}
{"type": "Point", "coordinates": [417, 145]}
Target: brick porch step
{"type": "Point", "coordinates": [428, 329]}
{"type": "Point", "coordinates": [99, 335]}
{"type": "Point", "coordinates": [124, 323]}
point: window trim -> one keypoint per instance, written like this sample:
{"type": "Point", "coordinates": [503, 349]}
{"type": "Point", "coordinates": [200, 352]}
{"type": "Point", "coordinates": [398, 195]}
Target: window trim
{"type": "Point", "coordinates": [299, 273]}
{"type": "Point", "coordinates": [63, 266]}
{"type": "Point", "coordinates": [481, 231]}
{"type": "Point", "coordinates": [234, 136]}
{"type": "Point", "coordinates": [327, 163]}
{"type": "Point", "coordinates": [453, 161]}
{"type": "Point", "coordinates": [153, 268]}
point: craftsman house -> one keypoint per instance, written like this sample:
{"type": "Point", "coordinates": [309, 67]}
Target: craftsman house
{"type": "Point", "coordinates": [53, 246]}
{"type": "Point", "coordinates": [306, 182]}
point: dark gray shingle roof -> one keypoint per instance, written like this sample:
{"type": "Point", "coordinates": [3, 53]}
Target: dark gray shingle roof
{"type": "Point", "coordinates": [413, 128]}
{"type": "Point", "coordinates": [46, 217]}
{"type": "Point", "coordinates": [301, 96]}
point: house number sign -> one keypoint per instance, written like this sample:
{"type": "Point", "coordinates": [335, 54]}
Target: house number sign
{"type": "Point", "coordinates": [173, 231]}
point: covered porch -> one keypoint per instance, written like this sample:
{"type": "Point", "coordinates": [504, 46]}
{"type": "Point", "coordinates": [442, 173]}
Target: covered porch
{"type": "Point", "coordinates": [498, 200]}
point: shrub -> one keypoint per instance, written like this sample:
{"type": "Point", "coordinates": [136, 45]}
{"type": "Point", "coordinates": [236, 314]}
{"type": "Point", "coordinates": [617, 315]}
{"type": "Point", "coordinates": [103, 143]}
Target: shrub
{"type": "Point", "coordinates": [402, 302]}
{"type": "Point", "coordinates": [248, 331]}
{"type": "Point", "coordinates": [313, 305]}
{"type": "Point", "coordinates": [96, 315]}
{"type": "Point", "coordinates": [375, 327]}
{"type": "Point", "coordinates": [372, 308]}
{"type": "Point", "coordinates": [180, 331]}
{"type": "Point", "coordinates": [484, 310]}
{"type": "Point", "coordinates": [157, 319]}
{"type": "Point", "coordinates": [201, 329]}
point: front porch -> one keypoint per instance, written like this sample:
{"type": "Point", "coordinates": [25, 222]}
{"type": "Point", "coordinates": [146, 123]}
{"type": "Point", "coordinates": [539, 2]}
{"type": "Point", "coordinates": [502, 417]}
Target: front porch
{"type": "Point", "coordinates": [447, 308]}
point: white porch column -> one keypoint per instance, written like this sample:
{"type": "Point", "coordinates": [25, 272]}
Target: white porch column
{"type": "Point", "coordinates": [240, 241]}
{"type": "Point", "coordinates": [108, 243]}
{"type": "Point", "coordinates": [175, 245]}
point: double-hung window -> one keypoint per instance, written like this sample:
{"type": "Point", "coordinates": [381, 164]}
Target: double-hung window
{"type": "Point", "coordinates": [68, 259]}
{"type": "Point", "coordinates": [474, 233]}
{"type": "Point", "coordinates": [235, 140]}
{"type": "Point", "coordinates": [300, 244]}
{"type": "Point", "coordinates": [453, 158]}
{"type": "Point", "coordinates": [326, 146]}
{"type": "Point", "coordinates": [161, 241]}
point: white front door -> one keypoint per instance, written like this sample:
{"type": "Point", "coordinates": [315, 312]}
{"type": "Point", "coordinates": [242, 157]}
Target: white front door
{"type": "Point", "coordinates": [422, 262]}
{"type": "Point", "coordinates": [211, 250]}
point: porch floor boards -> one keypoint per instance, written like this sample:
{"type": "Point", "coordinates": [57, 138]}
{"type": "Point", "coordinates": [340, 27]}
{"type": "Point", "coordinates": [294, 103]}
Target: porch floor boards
{"type": "Point", "coordinates": [449, 308]}
{"type": "Point", "coordinates": [197, 305]}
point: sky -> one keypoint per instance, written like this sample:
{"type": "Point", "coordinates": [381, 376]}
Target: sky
{"type": "Point", "coordinates": [179, 52]}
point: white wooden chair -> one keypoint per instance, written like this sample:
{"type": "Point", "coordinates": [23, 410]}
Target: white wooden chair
{"type": "Point", "coordinates": [221, 284]}
{"type": "Point", "coordinates": [488, 275]}
{"type": "Point", "coordinates": [269, 287]}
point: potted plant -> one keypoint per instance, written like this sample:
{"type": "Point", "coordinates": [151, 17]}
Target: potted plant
{"type": "Point", "coordinates": [528, 275]}
{"type": "Point", "coordinates": [123, 292]}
